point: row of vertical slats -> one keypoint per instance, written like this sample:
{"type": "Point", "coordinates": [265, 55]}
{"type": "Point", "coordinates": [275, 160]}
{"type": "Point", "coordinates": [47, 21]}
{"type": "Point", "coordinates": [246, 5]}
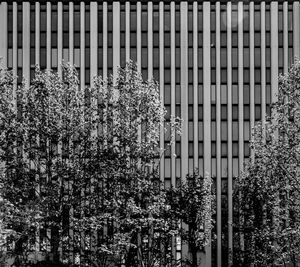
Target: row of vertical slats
{"type": "Point", "coordinates": [173, 103]}
{"type": "Point", "coordinates": [161, 82]}
{"type": "Point", "coordinates": [183, 71]}
{"type": "Point", "coordinates": [206, 105]}
{"type": "Point", "coordinates": [218, 136]}
{"type": "Point", "coordinates": [229, 129]}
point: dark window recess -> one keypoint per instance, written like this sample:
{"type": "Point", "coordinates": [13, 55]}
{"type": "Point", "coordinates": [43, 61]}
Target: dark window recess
{"type": "Point", "coordinates": [65, 39]}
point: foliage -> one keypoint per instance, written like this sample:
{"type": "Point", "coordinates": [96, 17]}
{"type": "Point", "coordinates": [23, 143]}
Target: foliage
{"type": "Point", "coordinates": [268, 191]}
{"type": "Point", "coordinates": [79, 176]}
{"type": "Point", "coordinates": [192, 203]}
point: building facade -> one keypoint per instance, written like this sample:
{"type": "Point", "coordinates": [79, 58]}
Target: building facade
{"type": "Point", "coordinates": [217, 64]}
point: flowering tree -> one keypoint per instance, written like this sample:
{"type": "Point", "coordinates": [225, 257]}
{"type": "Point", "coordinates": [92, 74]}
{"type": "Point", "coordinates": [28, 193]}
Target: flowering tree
{"type": "Point", "coordinates": [79, 175]}
{"type": "Point", "coordinates": [268, 191]}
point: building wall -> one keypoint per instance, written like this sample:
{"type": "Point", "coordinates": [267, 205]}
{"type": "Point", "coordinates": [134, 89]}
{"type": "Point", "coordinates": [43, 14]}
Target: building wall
{"type": "Point", "coordinates": [217, 64]}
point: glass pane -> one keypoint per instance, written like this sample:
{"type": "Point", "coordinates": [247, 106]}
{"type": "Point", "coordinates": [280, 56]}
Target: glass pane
{"type": "Point", "coordinates": [223, 149]}
{"type": "Point", "coordinates": [235, 57]}
{"type": "Point", "coordinates": [224, 165]}
{"type": "Point", "coordinates": [200, 112]}
{"type": "Point", "coordinates": [66, 54]}
{"type": "Point", "coordinates": [76, 39]}
{"type": "Point", "coordinates": [65, 39]}
{"type": "Point", "coordinates": [178, 149]}
{"type": "Point", "coordinates": [223, 57]}
{"type": "Point", "coordinates": [177, 94]}
{"type": "Point", "coordinates": [155, 57]}
{"type": "Point", "coordinates": [268, 57]}
{"type": "Point", "coordinates": [234, 39]}
{"type": "Point", "coordinates": [191, 94]}
{"type": "Point", "coordinates": [246, 57]}
{"type": "Point", "coordinates": [167, 76]}
{"type": "Point", "coordinates": [144, 21]}
{"type": "Point", "coordinates": [257, 112]}
{"type": "Point", "coordinates": [167, 57]}
{"type": "Point", "coordinates": [177, 167]}
{"type": "Point", "coordinates": [155, 20]}
{"type": "Point", "coordinates": [223, 39]}
{"type": "Point", "coordinates": [200, 131]}
{"type": "Point", "coordinates": [246, 76]}
{"type": "Point", "coordinates": [167, 94]}
{"type": "Point", "coordinates": [212, 113]}
{"type": "Point", "coordinates": [257, 21]}
{"type": "Point", "coordinates": [257, 57]}
{"type": "Point", "coordinates": [20, 58]}
{"type": "Point", "coordinates": [257, 76]}
{"type": "Point", "coordinates": [224, 76]}
{"type": "Point", "coordinates": [144, 58]}
{"type": "Point", "coordinates": [213, 131]}
{"type": "Point", "coordinates": [235, 76]}
{"type": "Point", "coordinates": [213, 149]}
{"type": "Point", "coordinates": [167, 168]}
{"type": "Point", "coordinates": [235, 95]}
{"type": "Point", "coordinates": [132, 39]}
{"type": "Point", "coordinates": [190, 57]}
{"type": "Point", "coordinates": [235, 112]}
{"type": "Point", "coordinates": [223, 94]}
{"type": "Point", "coordinates": [191, 132]}
{"type": "Point", "coordinates": [268, 21]}
{"type": "Point", "coordinates": [235, 131]}
{"type": "Point", "coordinates": [200, 149]}
{"type": "Point", "coordinates": [167, 20]}
{"type": "Point", "coordinates": [224, 112]}
{"type": "Point", "coordinates": [155, 39]}
{"type": "Point", "coordinates": [43, 58]}
{"type": "Point", "coordinates": [257, 39]}
{"type": "Point", "coordinates": [213, 93]}
{"type": "Point", "coordinates": [257, 94]}
{"type": "Point", "coordinates": [224, 130]}
{"type": "Point", "coordinates": [246, 112]}
{"type": "Point", "coordinates": [235, 167]}
{"type": "Point", "coordinates": [43, 39]}
{"type": "Point", "coordinates": [246, 149]}
{"type": "Point", "coordinates": [54, 58]}
{"type": "Point", "coordinates": [77, 57]}
{"type": "Point", "coordinates": [144, 39]}
{"type": "Point", "coordinates": [235, 149]}
{"type": "Point", "coordinates": [246, 130]}
{"type": "Point", "coordinates": [200, 58]}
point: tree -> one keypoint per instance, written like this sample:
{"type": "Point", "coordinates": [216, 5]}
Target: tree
{"type": "Point", "coordinates": [79, 180]}
{"type": "Point", "coordinates": [192, 203]}
{"type": "Point", "coordinates": [43, 135]}
{"type": "Point", "coordinates": [268, 191]}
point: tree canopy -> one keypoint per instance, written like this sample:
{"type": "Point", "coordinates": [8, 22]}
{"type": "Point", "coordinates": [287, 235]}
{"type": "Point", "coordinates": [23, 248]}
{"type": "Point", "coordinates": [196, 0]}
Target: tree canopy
{"type": "Point", "coordinates": [79, 180]}
{"type": "Point", "coordinates": [268, 191]}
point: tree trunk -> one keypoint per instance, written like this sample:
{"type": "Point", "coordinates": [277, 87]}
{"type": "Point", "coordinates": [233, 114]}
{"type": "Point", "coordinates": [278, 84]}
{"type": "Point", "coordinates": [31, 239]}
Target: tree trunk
{"type": "Point", "coordinates": [193, 246]}
{"type": "Point", "coordinates": [55, 244]}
